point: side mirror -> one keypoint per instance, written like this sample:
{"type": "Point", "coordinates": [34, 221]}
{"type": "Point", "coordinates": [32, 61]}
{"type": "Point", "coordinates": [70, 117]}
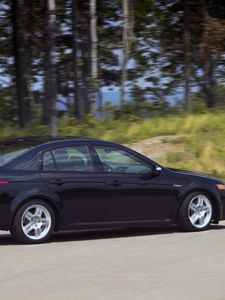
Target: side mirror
{"type": "Point", "coordinates": [156, 171]}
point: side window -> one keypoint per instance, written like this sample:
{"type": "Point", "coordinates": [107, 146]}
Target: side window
{"type": "Point", "coordinates": [48, 162]}
{"type": "Point", "coordinates": [70, 159]}
{"type": "Point", "coordinates": [28, 164]}
{"type": "Point", "coordinates": [119, 161]}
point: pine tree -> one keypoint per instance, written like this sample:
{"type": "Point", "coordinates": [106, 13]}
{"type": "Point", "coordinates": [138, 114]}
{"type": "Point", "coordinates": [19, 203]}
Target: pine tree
{"type": "Point", "coordinates": [94, 56]}
{"type": "Point", "coordinates": [50, 71]}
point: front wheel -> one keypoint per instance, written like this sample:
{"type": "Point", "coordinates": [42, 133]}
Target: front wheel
{"type": "Point", "coordinates": [33, 223]}
{"type": "Point", "coordinates": [196, 212]}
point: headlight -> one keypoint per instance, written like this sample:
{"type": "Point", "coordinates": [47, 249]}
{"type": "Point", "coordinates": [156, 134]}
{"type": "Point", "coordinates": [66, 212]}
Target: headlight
{"type": "Point", "coordinates": [221, 186]}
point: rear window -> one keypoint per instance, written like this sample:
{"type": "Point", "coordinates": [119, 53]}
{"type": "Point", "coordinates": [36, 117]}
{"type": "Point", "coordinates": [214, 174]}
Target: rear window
{"type": "Point", "coordinates": [7, 154]}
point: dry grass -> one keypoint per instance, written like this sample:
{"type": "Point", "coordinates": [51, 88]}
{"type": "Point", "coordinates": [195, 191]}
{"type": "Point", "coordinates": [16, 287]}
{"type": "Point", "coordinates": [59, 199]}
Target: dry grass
{"type": "Point", "coordinates": [194, 142]}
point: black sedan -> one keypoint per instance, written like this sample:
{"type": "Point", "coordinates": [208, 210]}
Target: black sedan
{"type": "Point", "coordinates": [72, 184]}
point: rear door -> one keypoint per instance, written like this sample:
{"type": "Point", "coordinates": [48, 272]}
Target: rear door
{"type": "Point", "coordinates": [70, 173]}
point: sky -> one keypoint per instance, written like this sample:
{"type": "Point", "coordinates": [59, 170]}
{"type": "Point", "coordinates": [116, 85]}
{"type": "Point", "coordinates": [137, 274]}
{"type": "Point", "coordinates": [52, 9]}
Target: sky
{"type": "Point", "coordinates": [113, 96]}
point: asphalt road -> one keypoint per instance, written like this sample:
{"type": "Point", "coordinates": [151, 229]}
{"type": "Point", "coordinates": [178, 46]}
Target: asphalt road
{"type": "Point", "coordinates": [120, 264]}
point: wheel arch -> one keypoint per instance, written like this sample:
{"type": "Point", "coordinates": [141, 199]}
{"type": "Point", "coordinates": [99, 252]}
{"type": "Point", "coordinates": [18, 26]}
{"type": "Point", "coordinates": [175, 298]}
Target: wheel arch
{"type": "Point", "coordinates": [55, 207]}
{"type": "Point", "coordinates": [217, 207]}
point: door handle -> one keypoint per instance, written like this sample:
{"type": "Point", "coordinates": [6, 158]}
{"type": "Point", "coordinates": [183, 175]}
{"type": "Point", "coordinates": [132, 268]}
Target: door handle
{"type": "Point", "coordinates": [57, 181]}
{"type": "Point", "coordinates": [114, 183]}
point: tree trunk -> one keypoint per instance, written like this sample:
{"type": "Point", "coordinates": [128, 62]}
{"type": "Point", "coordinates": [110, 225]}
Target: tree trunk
{"type": "Point", "coordinates": [208, 78]}
{"type": "Point", "coordinates": [187, 67]}
{"type": "Point", "coordinates": [85, 90]}
{"type": "Point", "coordinates": [28, 46]}
{"type": "Point", "coordinates": [126, 50]}
{"type": "Point", "coordinates": [76, 73]}
{"type": "Point", "coordinates": [50, 111]}
{"type": "Point", "coordinates": [100, 103]}
{"type": "Point", "coordinates": [209, 83]}
{"type": "Point", "coordinates": [20, 76]}
{"type": "Point", "coordinates": [94, 58]}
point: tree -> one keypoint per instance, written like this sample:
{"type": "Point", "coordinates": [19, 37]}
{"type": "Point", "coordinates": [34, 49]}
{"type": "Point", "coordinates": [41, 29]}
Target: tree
{"type": "Point", "coordinates": [21, 65]}
{"type": "Point", "coordinates": [155, 48]}
{"type": "Point", "coordinates": [191, 46]}
{"type": "Point", "coordinates": [187, 50]}
{"type": "Point", "coordinates": [94, 56]}
{"type": "Point", "coordinates": [125, 50]}
{"type": "Point", "coordinates": [209, 55]}
{"type": "Point", "coordinates": [146, 74]}
{"type": "Point", "coordinates": [50, 63]}
{"type": "Point", "coordinates": [76, 73]}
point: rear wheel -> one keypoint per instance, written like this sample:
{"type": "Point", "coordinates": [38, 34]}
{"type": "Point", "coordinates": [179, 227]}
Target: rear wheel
{"type": "Point", "coordinates": [33, 223]}
{"type": "Point", "coordinates": [196, 212]}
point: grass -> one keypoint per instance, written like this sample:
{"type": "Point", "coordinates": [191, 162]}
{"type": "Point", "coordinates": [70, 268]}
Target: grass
{"type": "Point", "coordinates": [201, 136]}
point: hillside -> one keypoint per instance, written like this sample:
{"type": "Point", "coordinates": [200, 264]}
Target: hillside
{"type": "Point", "coordinates": [170, 151]}
{"type": "Point", "coordinates": [198, 144]}
{"type": "Point", "coordinates": [194, 142]}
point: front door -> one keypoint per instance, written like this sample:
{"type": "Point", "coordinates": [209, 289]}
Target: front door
{"type": "Point", "coordinates": [131, 194]}
{"type": "Point", "coordinates": [70, 174]}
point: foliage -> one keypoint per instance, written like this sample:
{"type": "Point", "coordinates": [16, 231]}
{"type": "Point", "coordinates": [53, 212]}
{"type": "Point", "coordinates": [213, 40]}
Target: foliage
{"type": "Point", "coordinates": [202, 137]}
{"type": "Point", "coordinates": [155, 68]}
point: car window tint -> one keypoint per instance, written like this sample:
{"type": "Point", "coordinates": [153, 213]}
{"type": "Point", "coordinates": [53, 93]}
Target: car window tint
{"type": "Point", "coordinates": [48, 162]}
{"type": "Point", "coordinates": [73, 159]}
{"type": "Point", "coordinates": [8, 155]}
{"type": "Point", "coordinates": [120, 161]}
{"type": "Point", "coordinates": [30, 164]}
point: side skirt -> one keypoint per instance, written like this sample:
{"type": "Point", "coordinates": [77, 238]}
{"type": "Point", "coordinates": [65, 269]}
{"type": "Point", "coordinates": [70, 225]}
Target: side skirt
{"type": "Point", "coordinates": [117, 224]}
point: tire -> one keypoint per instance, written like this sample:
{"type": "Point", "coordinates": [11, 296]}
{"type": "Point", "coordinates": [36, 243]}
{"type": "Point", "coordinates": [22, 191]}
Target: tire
{"type": "Point", "coordinates": [196, 212]}
{"type": "Point", "coordinates": [33, 223]}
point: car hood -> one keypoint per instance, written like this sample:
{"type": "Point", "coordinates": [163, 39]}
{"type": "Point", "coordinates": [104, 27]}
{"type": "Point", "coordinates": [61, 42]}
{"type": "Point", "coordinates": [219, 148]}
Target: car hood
{"type": "Point", "coordinates": [195, 174]}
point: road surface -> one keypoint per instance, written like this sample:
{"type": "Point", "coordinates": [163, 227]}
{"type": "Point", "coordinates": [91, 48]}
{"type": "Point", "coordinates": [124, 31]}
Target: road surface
{"type": "Point", "coordinates": [157, 264]}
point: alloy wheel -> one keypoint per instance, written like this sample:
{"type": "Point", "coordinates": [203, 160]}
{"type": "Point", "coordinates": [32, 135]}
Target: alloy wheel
{"type": "Point", "coordinates": [36, 222]}
{"type": "Point", "coordinates": [200, 211]}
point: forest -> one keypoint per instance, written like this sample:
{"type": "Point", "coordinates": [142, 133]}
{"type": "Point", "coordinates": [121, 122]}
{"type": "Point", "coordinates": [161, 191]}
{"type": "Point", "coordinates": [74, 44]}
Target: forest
{"type": "Point", "coordinates": [149, 72]}
{"type": "Point", "coordinates": [58, 59]}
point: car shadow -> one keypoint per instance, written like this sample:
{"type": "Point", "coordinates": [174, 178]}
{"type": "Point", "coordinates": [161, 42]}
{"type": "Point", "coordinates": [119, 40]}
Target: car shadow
{"type": "Point", "coordinates": [82, 235]}
{"type": "Point", "coordinates": [217, 227]}
{"type": "Point", "coordinates": [6, 240]}
{"type": "Point", "coordinates": [109, 234]}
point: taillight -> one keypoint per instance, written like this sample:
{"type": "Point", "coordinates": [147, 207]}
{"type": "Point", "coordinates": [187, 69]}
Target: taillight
{"type": "Point", "coordinates": [4, 182]}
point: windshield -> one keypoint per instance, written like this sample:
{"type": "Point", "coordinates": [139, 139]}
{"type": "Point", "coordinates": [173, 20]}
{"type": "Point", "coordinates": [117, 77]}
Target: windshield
{"type": "Point", "coordinates": [8, 154]}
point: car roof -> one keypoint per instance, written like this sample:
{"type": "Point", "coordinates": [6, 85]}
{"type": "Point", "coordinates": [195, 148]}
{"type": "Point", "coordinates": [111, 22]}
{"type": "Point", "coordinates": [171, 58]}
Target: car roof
{"type": "Point", "coordinates": [39, 144]}
{"type": "Point", "coordinates": [67, 141]}
{"type": "Point", "coordinates": [38, 141]}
